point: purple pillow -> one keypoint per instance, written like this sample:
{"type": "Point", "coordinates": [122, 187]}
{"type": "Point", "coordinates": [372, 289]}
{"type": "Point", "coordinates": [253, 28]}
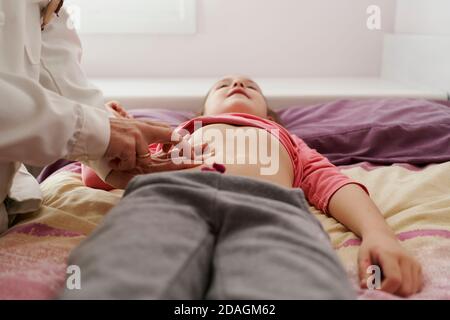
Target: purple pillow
{"type": "Point", "coordinates": [382, 131]}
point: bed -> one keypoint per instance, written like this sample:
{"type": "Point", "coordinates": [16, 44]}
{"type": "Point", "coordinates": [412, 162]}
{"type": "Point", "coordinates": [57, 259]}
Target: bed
{"type": "Point", "coordinates": [398, 148]}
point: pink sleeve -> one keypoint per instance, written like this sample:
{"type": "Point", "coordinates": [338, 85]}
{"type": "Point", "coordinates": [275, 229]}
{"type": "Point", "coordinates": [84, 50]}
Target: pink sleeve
{"type": "Point", "coordinates": [92, 180]}
{"type": "Point", "coordinates": [320, 178]}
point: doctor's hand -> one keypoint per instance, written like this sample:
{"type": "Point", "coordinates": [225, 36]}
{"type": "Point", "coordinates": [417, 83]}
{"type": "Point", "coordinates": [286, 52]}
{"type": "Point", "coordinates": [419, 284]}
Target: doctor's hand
{"type": "Point", "coordinates": [163, 160]}
{"type": "Point", "coordinates": [129, 140]}
{"type": "Point", "coordinates": [157, 162]}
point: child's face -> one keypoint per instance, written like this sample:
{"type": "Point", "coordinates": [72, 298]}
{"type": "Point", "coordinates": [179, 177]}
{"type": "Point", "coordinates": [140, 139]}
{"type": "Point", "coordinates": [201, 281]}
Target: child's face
{"type": "Point", "coordinates": [236, 94]}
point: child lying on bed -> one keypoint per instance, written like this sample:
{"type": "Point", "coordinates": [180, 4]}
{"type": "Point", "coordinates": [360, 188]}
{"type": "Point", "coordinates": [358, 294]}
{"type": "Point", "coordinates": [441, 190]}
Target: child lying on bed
{"type": "Point", "coordinates": [236, 107]}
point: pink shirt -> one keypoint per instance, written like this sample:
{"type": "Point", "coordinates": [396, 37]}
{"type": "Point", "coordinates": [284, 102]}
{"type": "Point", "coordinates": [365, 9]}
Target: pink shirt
{"type": "Point", "coordinates": [313, 173]}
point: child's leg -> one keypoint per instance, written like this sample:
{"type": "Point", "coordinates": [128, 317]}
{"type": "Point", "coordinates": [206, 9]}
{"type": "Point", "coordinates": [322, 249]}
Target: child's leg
{"type": "Point", "coordinates": [271, 247]}
{"type": "Point", "coordinates": [155, 244]}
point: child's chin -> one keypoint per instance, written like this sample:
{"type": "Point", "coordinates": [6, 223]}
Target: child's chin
{"type": "Point", "coordinates": [239, 107]}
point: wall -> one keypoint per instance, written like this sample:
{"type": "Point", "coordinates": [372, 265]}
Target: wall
{"type": "Point", "coordinates": [419, 51]}
{"type": "Point", "coordinates": [270, 38]}
{"type": "Point", "coordinates": [425, 17]}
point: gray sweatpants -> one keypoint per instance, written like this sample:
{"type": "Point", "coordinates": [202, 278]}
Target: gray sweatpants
{"type": "Point", "coordinates": [195, 235]}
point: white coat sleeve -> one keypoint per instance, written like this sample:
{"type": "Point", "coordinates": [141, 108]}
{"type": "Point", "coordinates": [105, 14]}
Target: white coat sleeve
{"type": "Point", "coordinates": [39, 126]}
{"type": "Point", "coordinates": [61, 72]}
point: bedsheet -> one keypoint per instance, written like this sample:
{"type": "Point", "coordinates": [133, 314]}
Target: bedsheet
{"type": "Point", "coordinates": [414, 200]}
{"type": "Point", "coordinates": [416, 204]}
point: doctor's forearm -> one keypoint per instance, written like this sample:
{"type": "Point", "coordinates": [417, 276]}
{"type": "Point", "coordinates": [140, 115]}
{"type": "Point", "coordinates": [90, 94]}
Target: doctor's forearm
{"type": "Point", "coordinates": [43, 126]}
{"type": "Point", "coordinates": [351, 206]}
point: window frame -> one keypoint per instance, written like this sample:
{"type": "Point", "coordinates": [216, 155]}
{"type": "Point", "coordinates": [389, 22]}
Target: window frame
{"type": "Point", "coordinates": [184, 22]}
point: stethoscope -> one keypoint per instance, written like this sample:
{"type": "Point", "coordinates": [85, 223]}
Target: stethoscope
{"type": "Point", "coordinates": [49, 12]}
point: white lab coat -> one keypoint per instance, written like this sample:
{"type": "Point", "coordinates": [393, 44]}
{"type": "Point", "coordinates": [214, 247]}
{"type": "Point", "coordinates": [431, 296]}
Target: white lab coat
{"type": "Point", "coordinates": [48, 108]}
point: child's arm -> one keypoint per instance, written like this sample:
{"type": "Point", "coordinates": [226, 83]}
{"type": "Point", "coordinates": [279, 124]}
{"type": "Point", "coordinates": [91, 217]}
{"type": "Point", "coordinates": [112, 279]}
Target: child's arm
{"type": "Point", "coordinates": [348, 201]}
{"type": "Point", "coordinates": [119, 179]}
{"type": "Point", "coordinates": [402, 273]}
{"type": "Point", "coordinates": [163, 162]}
{"type": "Point", "coordinates": [92, 180]}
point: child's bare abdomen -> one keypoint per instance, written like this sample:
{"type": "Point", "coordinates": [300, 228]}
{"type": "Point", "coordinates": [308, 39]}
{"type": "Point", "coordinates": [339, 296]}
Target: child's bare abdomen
{"type": "Point", "coordinates": [246, 151]}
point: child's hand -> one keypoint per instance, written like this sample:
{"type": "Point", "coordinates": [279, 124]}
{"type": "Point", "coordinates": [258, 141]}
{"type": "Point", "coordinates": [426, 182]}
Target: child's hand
{"type": "Point", "coordinates": [118, 110]}
{"type": "Point", "coordinates": [401, 273]}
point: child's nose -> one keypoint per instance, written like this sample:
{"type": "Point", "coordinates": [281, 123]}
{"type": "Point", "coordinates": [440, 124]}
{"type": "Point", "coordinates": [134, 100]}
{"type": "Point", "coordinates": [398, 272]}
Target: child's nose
{"type": "Point", "coordinates": [238, 83]}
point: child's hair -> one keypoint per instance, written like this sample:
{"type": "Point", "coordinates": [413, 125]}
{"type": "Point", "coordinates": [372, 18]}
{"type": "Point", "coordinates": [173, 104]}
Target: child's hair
{"type": "Point", "coordinates": [270, 112]}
